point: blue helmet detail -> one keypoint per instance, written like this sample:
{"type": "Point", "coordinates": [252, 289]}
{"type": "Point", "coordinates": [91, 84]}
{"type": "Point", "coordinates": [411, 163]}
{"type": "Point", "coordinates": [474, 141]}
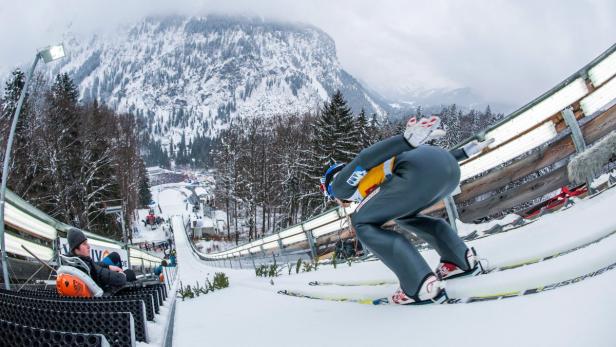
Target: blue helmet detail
{"type": "Point", "coordinates": [327, 178]}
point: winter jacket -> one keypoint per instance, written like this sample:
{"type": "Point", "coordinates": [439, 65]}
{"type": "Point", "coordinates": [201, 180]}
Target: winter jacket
{"type": "Point", "coordinates": [100, 273]}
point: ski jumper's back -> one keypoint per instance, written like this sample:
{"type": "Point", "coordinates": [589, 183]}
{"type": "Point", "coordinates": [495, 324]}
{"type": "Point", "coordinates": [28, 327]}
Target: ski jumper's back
{"type": "Point", "coordinates": [372, 167]}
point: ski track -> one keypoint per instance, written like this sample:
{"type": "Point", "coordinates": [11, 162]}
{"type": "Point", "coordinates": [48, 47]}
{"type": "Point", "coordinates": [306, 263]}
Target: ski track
{"type": "Point", "coordinates": [577, 315]}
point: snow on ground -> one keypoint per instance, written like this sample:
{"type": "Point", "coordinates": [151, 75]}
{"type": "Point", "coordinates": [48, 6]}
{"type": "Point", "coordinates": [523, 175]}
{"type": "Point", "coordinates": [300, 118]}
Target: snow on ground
{"type": "Point", "coordinates": [149, 233]}
{"type": "Point", "coordinates": [201, 191]}
{"type": "Point", "coordinates": [603, 179]}
{"type": "Point", "coordinates": [251, 313]}
{"type": "Point", "coordinates": [467, 228]}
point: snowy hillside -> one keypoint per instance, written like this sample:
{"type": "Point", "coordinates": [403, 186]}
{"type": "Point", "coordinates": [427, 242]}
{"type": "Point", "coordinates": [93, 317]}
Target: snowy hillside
{"type": "Point", "coordinates": [569, 314]}
{"type": "Point", "coordinates": [197, 74]}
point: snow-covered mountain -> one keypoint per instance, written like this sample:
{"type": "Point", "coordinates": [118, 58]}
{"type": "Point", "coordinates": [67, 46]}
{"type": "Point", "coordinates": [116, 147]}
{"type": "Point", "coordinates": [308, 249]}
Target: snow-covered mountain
{"type": "Point", "coordinates": [408, 99]}
{"type": "Point", "coordinates": [195, 74]}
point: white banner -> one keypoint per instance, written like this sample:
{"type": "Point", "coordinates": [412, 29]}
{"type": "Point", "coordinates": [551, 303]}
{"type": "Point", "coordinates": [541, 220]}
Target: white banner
{"type": "Point", "coordinates": [97, 253]}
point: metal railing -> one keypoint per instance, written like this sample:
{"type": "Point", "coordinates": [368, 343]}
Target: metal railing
{"type": "Point", "coordinates": [591, 89]}
{"type": "Point", "coordinates": [26, 218]}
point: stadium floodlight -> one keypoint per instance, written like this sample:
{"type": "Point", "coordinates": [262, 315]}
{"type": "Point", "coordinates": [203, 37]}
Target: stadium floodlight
{"type": "Point", "coordinates": [532, 139]}
{"type": "Point", "coordinates": [538, 113]}
{"type": "Point", "coordinates": [48, 54]}
{"type": "Point", "coordinates": [603, 96]}
{"type": "Point", "coordinates": [328, 228]}
{"type": "Point", "coordinates": [321, 220]}
{"type": "Point", "coordinates": [604, 70]}
{"type": "Point", "coordinates": [51, 53]}
{"type": "Point", "coordinates": [27, 223]}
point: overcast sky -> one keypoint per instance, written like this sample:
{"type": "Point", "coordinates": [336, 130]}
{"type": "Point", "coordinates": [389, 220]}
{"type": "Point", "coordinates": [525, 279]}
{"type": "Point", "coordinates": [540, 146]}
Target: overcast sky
{"type": "Point", "coordinates": [506, 51]}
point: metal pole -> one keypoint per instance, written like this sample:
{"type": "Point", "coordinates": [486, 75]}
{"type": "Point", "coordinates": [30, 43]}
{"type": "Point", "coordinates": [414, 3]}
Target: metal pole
{"type": "Point", "coordinates": [310, 238]}
{"type": "Point", "coordinates": [578, 138]}
{"type": "Point", "coordinates": [253, 260]}
{"type": "Point", "coordinates": [452, 212]}
{"type": "Point", "coordinates": [5, 172]}
{"type": "Point", "coordinates": [124, 237]}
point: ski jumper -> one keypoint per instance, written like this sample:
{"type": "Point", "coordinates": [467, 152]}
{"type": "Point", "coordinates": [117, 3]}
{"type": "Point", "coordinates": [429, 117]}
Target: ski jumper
{"type": "Point", "coordinates": [392, 180]}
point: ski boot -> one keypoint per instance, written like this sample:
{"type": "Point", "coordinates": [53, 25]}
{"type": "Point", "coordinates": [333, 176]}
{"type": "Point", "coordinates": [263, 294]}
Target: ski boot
{"type": "Point", "coordinates": [431, 291]}
{"type": "Point", "coordinates": [447, 270]}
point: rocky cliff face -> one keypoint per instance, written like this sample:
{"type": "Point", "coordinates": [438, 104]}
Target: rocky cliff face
{"type": "Point", "coordinates": [194, 75]}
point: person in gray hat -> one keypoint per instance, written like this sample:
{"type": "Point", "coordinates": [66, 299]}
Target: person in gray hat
{"type": "Point", "coordinates": [106, 276]}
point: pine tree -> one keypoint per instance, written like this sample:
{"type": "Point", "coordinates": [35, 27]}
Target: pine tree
{"type": "Point", "coordinates": [145, 196]}
{"type": "Point", "coordinates": [364, 129]}
{"type": "Point", "coordinates": [64, 126]}
{"type": "Point", "coordinates": [22, 168]}
{"type": "Point", "coordinates": [336, 137]}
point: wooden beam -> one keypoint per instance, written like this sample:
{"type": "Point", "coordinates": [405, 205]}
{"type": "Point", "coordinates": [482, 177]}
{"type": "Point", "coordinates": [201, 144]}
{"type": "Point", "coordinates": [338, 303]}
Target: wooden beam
{"type": "Point", "coordinates": [513, 197]}
{"type": "Point", "coordinates": [593, 130]}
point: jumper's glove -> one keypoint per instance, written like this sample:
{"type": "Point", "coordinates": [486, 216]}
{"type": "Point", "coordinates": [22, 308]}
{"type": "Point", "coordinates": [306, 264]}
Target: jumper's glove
{"type": "Point", "coordinates": [419, 132]}
{"type": "Point", "coordinates": [476, 147]}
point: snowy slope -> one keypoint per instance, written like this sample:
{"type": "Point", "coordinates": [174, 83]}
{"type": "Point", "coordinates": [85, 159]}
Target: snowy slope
{"type": "Point", "coordinates": [195, 74]}
{"type": "Point", "coordinates": [251, 313]}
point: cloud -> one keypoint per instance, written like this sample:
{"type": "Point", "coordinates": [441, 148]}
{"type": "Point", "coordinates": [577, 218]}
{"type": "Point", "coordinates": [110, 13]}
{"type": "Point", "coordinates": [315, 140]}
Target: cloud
{"type": "Point", "coordinates": [506, 51]}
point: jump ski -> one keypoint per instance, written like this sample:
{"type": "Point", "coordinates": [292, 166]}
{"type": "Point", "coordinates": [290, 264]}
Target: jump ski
{"type": "Point", "coordinates": [487, 271]}
{"type": "Point", "coordinates": [452, 300]}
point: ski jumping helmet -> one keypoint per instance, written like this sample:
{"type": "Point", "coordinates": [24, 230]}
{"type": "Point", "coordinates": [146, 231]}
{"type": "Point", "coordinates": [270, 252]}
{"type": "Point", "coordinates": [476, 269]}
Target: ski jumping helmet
{"type": "Point", "coordinates": [327, 178]}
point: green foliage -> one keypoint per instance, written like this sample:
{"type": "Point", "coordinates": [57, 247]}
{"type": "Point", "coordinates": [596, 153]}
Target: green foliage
{"type": "Point", "coordinates": [272, 270]}
{"type": "Point", "coordinates": [298, 265]}
{"type": "Point", "coordinates": [307, 266]}
{"type": "Point", "coordinates": [260, 270]}
{"type": "Point", "coordinates": [220, 281]}
{"type": "Point", "coordinates": [290, 268]}
{"type": "Point", "coordinates": [185, 292]}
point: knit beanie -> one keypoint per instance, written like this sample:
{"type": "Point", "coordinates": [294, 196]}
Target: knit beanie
{"type": "Point", "coordinates": [75, 238]}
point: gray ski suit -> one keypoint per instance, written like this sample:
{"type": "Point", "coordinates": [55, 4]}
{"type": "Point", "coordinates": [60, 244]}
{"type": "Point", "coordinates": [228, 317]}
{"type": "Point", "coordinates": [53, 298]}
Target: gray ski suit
{"type": "Point", "coordinates": [418, 178]}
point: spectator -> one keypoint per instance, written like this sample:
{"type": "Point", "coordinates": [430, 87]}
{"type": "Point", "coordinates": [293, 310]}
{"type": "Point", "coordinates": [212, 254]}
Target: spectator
{"type": "Point", "coordinates": [172, 261]}
{"type": "Point", "coordinates": [106, 276]}
{"type": "Point", "coordinates": [159, 269]}
{"type": "Point", "coordinates": [114, 259]}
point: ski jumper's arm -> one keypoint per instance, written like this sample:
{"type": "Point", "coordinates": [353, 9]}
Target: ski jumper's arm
{"type": "Point", "coordinates": [345, 183]}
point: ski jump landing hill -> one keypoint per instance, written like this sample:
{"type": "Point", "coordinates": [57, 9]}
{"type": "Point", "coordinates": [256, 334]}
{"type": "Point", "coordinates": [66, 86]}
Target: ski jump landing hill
{"type": "Point", "coordinates": [549, 280]}
{"type": "Point", "coordinates": [568, 255]}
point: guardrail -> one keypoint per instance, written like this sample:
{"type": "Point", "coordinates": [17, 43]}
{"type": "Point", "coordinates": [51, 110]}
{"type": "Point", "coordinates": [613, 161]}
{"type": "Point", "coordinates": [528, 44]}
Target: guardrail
{"type": "Point", "coordinates": [588, 94]}
{"type": "Point", "coordinates": [43, 235]}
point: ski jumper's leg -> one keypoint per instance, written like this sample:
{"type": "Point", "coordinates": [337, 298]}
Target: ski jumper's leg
{"type": "Point", "coordinates": [420, 178]}
{"type": "Point", "coordinates": [440, 235]}
{"type": "Point", "coordinates": [439, 174]}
